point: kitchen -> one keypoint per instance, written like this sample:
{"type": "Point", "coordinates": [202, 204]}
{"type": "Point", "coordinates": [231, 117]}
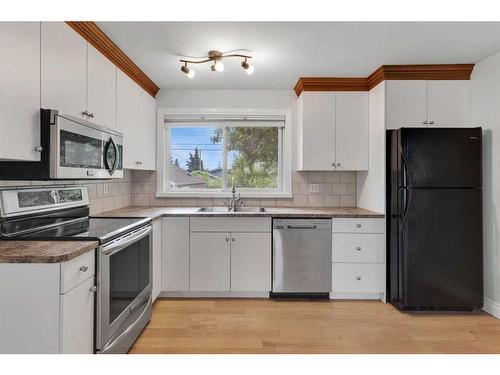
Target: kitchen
{"type": "Point", "coordinates": [195, 207]}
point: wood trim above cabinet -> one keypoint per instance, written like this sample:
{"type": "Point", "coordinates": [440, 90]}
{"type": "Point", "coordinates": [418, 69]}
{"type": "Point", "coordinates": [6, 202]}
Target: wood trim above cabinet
{"type": "Point", "coordinates": [330, 84]}
{"type": "Point", "coordinates": [96, 37]}
{"type": "Point", "coordinates": [386, 72]}
{"type": "Point", "coordinates": [420, 72]}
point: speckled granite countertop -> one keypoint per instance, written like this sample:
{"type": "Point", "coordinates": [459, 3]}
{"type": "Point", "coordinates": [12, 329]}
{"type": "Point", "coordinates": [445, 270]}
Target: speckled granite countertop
{"type": "Point", "coordinates": [43, 251]}
{"type": "Point", "coordinates": [154, 212]}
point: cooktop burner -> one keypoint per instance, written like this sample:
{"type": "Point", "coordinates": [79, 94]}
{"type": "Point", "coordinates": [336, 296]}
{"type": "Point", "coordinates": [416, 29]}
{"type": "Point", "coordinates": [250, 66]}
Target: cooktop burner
{"type": "Point", "coordinates": [91, 228]}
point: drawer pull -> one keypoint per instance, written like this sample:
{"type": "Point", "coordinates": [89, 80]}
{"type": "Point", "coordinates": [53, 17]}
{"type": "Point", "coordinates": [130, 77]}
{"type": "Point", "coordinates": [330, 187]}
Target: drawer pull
{"type": "Point", "coordinates": [358, 225]}
{"type": "Point", "coordinates": [233, 239]}
{"type": "Point", "coordinates": [358, 248]}
{"type": "Point", "coordinates": [84, 268]}
{"type": "Point", "coordinates": [227, 239]}
{"type": "Point", "coordinates": [93, 289]}
{"type": "Point", "coordinates": [358, 278]}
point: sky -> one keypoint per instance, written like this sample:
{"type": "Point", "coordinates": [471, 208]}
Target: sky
{"type": "Point", "coordinates": [184, 140]}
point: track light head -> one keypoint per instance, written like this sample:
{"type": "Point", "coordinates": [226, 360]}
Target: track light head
{"type": "Point", "coordinates": [189, 72]}
{"type": "Point", "coordinates": [218, 66]}
{"type": "Point", "coordinates": [249, 69]}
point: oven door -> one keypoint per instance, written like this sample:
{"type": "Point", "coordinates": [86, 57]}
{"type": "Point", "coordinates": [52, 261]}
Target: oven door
{"type": "Point", "coordinates": [124, 280]}
{"type": "Point", "coordinates": [79, 149]}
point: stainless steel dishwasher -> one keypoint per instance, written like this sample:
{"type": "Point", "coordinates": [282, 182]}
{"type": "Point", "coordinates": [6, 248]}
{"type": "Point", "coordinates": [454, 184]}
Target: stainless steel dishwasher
{"type": "Point", "coordinates": [302, 257]}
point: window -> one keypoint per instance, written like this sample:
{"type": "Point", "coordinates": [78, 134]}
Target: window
{"type": "Point", "coordinates": [204, 156]}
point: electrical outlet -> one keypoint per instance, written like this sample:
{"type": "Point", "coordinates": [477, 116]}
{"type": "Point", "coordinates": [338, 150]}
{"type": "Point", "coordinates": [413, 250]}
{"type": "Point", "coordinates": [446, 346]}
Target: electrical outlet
{"type": "Point", "coordinates": [105, 188]}
{"type": "Point", "coordinates": [313, 188]}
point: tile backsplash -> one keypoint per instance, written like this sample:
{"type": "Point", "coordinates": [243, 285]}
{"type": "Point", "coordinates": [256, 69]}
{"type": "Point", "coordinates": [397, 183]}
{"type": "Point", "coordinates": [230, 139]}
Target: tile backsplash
{"type": "Point", "coordinates": [310, 189]}
{"type": "Point", "coordinates": [117, 196]}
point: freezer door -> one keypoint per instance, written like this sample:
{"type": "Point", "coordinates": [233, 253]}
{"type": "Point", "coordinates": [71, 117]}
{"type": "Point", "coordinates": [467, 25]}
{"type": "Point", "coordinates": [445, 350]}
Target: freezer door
{"type": "Point", "coordinates": [441, 157]}
{"type": "Point", "coordinates": [440, 249]}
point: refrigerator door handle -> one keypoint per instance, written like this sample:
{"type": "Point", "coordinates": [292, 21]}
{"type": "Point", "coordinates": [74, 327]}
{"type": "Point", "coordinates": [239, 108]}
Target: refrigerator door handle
{"type": "Point", "coordinates": [406, 170]}
{"type": "Point", "coordinates": [406, 204]}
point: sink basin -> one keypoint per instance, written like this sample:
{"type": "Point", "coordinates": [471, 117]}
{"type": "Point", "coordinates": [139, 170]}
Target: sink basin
{"type": "Point", "coordinates": [226, 209]}
{"type": "Point", "coordinates": [250, 209]}
{"type": "Point", "coordinates": [213, 209]}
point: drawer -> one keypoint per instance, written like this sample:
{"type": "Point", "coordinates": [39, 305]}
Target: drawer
{"type": "Point", "coordinates": [76, 270]}
{"type": "Point", "coordinates": [230, 224]}
{"type": "Point", "coordinates": [358, 247]}
{"type": "Point", "coordinates": [364, 225]}
{"type": "Point", "coordinates": [357, 278]}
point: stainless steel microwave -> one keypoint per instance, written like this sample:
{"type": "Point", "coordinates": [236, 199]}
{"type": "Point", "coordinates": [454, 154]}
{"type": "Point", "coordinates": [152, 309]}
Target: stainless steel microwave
{"type": "Point", "coordinates": [71, 148]}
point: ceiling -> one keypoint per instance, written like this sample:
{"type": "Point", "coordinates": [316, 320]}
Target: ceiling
{"type": "Point", "coordinates": [284, 51]}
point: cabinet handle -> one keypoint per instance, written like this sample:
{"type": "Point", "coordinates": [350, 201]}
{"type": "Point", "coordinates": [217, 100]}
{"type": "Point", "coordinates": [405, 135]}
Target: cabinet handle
{"type": "Point", "coordinates": [138, 162]}
{"type": "Point", "coordinates": [333, 164]}
{"type": "Point", "coordinates": [38, 148]}
{"type": "Point", "coordinates": [424, 122]}
{"type": "Point", "coordinates": [338, 164]}
{"type": "Point", "coordinates": [93, 289]}
{"type": "Point", "coordinates": [431, 122]}
{"type": "Point", "coordinates": [233, 239]}
{"type": "Point", "coordinates": [358, 225]}
{"type": "Point", "coordinates": [84, 268]}
{"type": "Point", "coordinates": [85, 113]}
{"type": "Point", "coordinates": [227, 239]}
{"type": "Point", "coordinates": [91, 115]}
{"type": "Point", "coordinates": [358, 248]}
{"type": "Point", "coordinates": [358, 278]}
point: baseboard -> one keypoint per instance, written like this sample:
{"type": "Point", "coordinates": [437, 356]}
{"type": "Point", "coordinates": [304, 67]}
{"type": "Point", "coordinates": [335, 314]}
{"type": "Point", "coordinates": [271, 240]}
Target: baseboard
{"type": "Point", "coordinates": [492, 307]}
{"type": "Point", "coordinates": [372, 296]}
{"type": "Point", "coordinates": [189, 294]}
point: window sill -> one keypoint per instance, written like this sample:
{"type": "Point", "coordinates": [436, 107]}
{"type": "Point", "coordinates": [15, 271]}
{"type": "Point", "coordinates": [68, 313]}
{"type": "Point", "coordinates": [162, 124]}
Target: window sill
{"type": "Point", "coordinates": [208, 194]}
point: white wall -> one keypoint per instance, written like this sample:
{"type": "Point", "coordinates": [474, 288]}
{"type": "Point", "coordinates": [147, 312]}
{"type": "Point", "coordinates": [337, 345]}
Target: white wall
{"type": "Point", "coordinates": [485, 83]}
{"type": "Point", "coordinates": [371, 184]}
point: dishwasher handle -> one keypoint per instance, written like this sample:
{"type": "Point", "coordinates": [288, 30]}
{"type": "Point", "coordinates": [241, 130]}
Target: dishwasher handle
{"type": "Point", "coordinates": [301, 226]}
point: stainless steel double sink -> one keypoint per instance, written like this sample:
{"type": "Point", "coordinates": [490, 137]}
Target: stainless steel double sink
{"type": "Point", "coordinates": [229, 209]}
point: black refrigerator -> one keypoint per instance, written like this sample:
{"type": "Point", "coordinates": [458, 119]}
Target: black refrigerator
{"type": "Point", "coordinates": [434, 219]}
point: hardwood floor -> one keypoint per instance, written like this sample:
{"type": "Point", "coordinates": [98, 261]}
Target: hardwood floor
{"type": "Point", "coordinates": [266, 326]}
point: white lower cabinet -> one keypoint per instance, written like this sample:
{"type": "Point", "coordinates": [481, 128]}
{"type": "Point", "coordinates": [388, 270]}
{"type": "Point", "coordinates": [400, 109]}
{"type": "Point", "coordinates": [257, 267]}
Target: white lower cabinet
{"type": "Point", "coordinates": [358, 258]}
{"type": "Point", "coordinates": [175, 254]}
{"type": "Point", "coordinates": [250, 262]}
{"type": "Point", "coordinates": [209, 262]}
{"type": "Point", "coordinates": [48, 307]}
{"type": "Point", "coordinates": [357, 278]}
{"type": "Point", "coordinates": [77, 319]}
{"type": "Point", "coordinates": [157, 241]}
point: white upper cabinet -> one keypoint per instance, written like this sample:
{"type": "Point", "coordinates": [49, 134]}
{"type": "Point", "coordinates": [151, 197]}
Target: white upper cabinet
{"type": "Point", "coordinates": [406, 103]}
{"type": "Point", "coordinates": [101, 88]}
{"type": "Point", "coordinates": [351, 128]}
{"type": "Point", "coordinates": [316, 131]}
{"type": "Point", "coordinates": [449, 103]}
{"type": "Point", "coordinates": [126, 117]}
{"type": "Point", "coordinates": [147, 131]}
{"type": "Point", "coordinates": [64, 69]}
{"type": "Point", "coordinates": [421, 103]}
{"type": "Point", "coordinates": [136, 119]}
{"type": "Point", "coordinates": [20, 90]}
{"type": "Point", "coordinates": [332, 131]}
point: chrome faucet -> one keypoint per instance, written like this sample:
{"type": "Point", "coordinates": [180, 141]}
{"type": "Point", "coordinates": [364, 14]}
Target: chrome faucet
{"type": "Point", "coordinates": [235, 201]}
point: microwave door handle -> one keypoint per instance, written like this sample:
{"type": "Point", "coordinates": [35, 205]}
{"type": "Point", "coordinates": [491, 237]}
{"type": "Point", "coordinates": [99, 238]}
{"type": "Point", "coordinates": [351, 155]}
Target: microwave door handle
{"type": "Point", "coordinates": [126, 241]}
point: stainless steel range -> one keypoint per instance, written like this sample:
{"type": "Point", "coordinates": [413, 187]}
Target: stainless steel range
{"type": "Point", "coordinates": [123, 278]}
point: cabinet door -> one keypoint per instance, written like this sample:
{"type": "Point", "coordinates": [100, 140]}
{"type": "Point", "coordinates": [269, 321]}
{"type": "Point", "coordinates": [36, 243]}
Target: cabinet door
{"type": "Point", "coordinates": [251, 262]}
{"type": "Point", "coordinates": [175, 254]}
{"type": "Point", "coordinates": [77, 319]}
{"type": "Point", "coordinates": [64, 69]}
{"type": "Point", "coordinates": [209, 263]}
{"type": "Point", "coordinates": [318, 130]}
{"type": "Point", "coordinates": [449, 103]}
{"type": "Point", "coordinates": [156, 258]}
{"type": "Point", "coordinates": [126, 118]}
{"type": "Point", "coordinates": [101, 88]}
{"type": "Point", "coordinates": [406, 103]}
{"type": "Point", "coordinates": [20, 90]}
{"type": "Point", "coordinates": [351, 130]}
{"type": "Point", "coordinates": [147, 130]}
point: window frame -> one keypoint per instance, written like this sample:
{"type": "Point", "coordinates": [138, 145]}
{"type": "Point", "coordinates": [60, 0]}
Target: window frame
{"type": "Point", "coordinates": [284, 153]}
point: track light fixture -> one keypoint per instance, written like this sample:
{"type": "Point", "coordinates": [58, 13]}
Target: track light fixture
{"type": "Point", "coordinates": [215, 57]}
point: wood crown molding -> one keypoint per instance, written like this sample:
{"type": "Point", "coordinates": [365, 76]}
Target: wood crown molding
{"type": "Point", "coordinates": [96, 37]}
{"type": "Point", "coordinates": [386, 72]}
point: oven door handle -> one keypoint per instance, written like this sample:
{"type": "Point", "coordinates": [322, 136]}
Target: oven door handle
{"type": "Point", "coordinates": [126, 241]}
